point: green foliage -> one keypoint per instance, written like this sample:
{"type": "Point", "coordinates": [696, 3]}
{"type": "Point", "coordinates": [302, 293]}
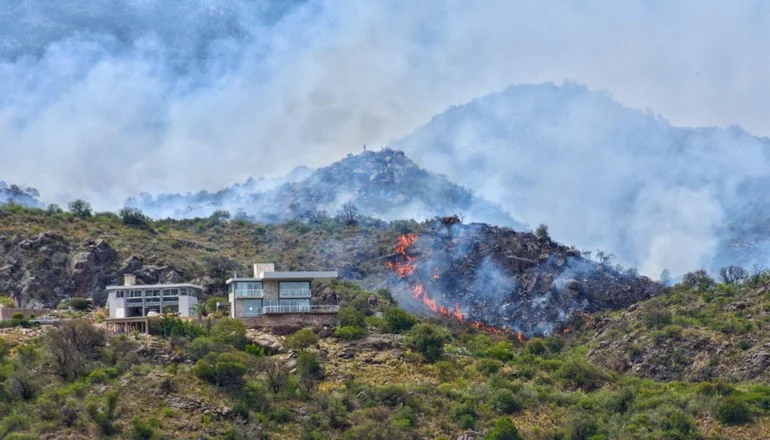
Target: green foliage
{"type": "Point", "coordinates": [351, 317]}
{"type": "Point", "coordinates": [211, 303]}
{"type": "Point", "coordinates": [170, 326]}
{"type": "Point", "coordinates": [7, 301]}
{"type": "Point", "coordinates": [656, 316]}
{"type": "Point", "coordinates": [54, 209]}
{"type": "Point", "coordinates": [79, 304]}
{"type": "Point", "coordinates": [733, 411]}
{"type": "Point", "coordinates": [502, 351]}
{"type": "Point", "coordinates": [254, 350]}
{"type": "Point", "coordinates": [348, 333]}
{"type": "Point", "coordinates": [505, 401]}
{"type": "Point", "coordinates": [73, 348]}
{"type": "Point", "coordinates": [398, 320]}
{"type": "Point", "coordinates": [488, 366]}
{"type": "Point", "coordinates": [464, 414]}
{"type": "Point", "coordinates": [254, 395]}
{"type": "Point", "coordinates": [141, 430]}
{"type": "Point", "coordinates": [429, 341]}
{"type": "Point", "coordinates": [536, 347]}
{"type": "Point", "coordinates": [230, 331]}
{"type": "Point", "coordinates": [105, 417]}
{"type": "Point", "coordinates": [222, 369]}
{"type": "Point", "coordinates": [134, 217]}
{"type": "Point", "coordinates": [580, 374]}
{"type": "Point", "coordinates": [17, 315]}
{"type": "Point", "coordinates": [308, 366]}
{"type": "Point", "coordinates": [679, 426]}
{"type": "Point", "coordinates": [302, 339]}
{"type": "Point", "coordinates": [504, 430]}
{"type": "Point", "coordinates": [80, 208]}
{"type": "Point", "coordinates": [202, 346]}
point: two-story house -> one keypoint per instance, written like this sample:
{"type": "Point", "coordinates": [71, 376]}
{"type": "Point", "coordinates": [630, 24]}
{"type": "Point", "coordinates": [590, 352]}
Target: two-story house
{"type": "Point", "coordinates": [131, 300]}
{"type": "Point", "coordinates": [270, 293]}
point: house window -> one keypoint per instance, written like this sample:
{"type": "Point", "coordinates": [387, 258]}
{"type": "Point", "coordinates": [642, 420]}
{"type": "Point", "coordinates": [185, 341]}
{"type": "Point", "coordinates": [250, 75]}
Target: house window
{"type": "Point", "coordinates": [252, 307]}
{"type": "Point", "coordinates": [295, 304]}
{"type": "Point", "coordinates": [135, 294]}
{"type": "Point", "coordinates": [119, 294]}
{"type": "Point", "coordinates": [293, 289]}
{"type": "Point", "coordinates": [248, 288]}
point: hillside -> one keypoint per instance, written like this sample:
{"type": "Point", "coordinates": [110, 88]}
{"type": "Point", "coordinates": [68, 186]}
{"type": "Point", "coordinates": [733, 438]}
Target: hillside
{"type": "Point", "coordinates": [508, 279]}
{"type": "Point", "coordinates": [384, 184]}
{"type": "Point", "coordinates": [605, 176]}
{"type": "Point", "coordinates": [27, 197]}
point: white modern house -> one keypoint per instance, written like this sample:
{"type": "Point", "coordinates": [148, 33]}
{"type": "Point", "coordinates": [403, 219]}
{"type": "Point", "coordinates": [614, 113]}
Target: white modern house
{"type": "Point", "coordinates": [270, 292]}
{"type": "Point", "coordinates": [131, 300]}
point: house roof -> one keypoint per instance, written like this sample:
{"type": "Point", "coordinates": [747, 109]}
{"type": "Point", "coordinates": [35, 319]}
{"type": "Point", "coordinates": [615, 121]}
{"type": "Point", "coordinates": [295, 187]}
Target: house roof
{"type": "Point", "coordinates": [292, 276]}
{"type": "Point", "coordinates": [155, 286]}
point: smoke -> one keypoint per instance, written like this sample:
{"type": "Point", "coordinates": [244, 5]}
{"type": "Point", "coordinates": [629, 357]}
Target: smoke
{"type": "Point", "coordinates": [105, 100]}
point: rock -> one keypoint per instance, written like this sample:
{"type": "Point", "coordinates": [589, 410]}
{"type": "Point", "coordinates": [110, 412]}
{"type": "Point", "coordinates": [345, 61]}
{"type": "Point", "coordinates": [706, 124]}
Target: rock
{"type": "Point", "coordinates": [268, 341]}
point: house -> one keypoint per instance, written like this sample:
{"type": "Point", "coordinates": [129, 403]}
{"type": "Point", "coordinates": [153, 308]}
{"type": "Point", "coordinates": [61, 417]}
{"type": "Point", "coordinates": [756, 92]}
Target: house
{"type": "Point", "coordinates": [131, 300]}
{"type": "Point", "coordinates": [277, 293]}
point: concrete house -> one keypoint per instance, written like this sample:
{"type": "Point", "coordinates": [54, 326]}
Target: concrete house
{"type": "Point", "coordinates": [131, 300]}
{"type": "Point", "coordinates": [277, 293]}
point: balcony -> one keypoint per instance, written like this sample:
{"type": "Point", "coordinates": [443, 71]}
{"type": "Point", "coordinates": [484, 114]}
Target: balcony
{"type": "Point", "coordinates": [295, 293]}
{"type": "Point", "coordinates": [254, 293]}
{"type": "Point", "coordinates": [268, 310]}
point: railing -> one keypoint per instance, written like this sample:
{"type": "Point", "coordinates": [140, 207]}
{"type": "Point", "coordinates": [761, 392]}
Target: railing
{"type": "Point", "coordinates": [300, 309]}
{"type": "Point", "coordinates": [254, 292]}
{"type": "Point", "coordinates": [295, 293]}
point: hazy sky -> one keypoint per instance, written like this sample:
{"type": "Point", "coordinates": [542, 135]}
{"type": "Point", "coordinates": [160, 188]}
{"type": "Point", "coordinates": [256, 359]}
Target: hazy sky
{"type": "Point", "coordinates": [106, 98]}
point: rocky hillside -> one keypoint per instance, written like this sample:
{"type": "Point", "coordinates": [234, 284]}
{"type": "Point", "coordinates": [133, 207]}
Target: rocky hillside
{"type": "Point", "coordinates": [512, 280]}
{"type": "Point", "coordinates": [384, 184]}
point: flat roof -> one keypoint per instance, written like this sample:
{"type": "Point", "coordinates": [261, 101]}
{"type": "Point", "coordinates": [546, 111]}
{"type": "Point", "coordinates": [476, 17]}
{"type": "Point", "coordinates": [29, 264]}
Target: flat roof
{"type": "Point", "coordinates": [292, 276]}
{"type": "Point", "coordinates": [155, 286]}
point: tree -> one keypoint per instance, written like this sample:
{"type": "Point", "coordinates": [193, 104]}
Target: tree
{"type": "Point", "coordinates": [350, 317]}
{"type": "Point", "coordinates": [604, 258]}
{"type": "Point", "coordinates": [54, 209]}
{"type": "Point", "coordinates": [302, 339]}
{"type": "Point", "coordinates": [504, 430]}
{"type": "Point", "coordinates": [699, 279]}
{"type": "Point", "coordinates": [73, 347]}
{"type": "Point", "coordinates": [399, 320]}
{"type": "Point", "coordinates": [200, 309]}
{"type": "Point", "coordinates": [80, 208]}
{"type": "Point", "coordinates": [133, 217]}
{"type": "Point", "coordinates": [230, 331]}
{"type": "Point", "coordinates": [429, 341]}
{"type": "Point", "coordinates": [349, 214]}
{"type": "Point", "coordinates": [314, 216]}
{"type": "Point", "coordinates": [733, 275]}
{"type": "Point", "coordinates": [222, 368]}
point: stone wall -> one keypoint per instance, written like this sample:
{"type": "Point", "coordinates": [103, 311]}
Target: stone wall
{"type": "Point", "coordinates": [270, 289]}
{"type": "Point", "coordinates": [286, 323]}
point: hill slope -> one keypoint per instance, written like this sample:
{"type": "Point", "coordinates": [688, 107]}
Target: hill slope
{"type": "Point", "coordinates": [605, 176]}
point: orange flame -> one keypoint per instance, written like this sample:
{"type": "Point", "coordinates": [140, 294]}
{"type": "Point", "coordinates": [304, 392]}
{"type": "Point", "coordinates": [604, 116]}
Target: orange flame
{"type": "Point", "coordinates": [404, 268]}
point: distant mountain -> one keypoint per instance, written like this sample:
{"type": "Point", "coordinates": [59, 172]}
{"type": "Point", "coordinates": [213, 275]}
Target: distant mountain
{"type": "Point", "coordinates": [601, 175]}
{"type": "Point", "coordinates": [383, 184]}
{"type": "Point", "coordinates": [27, 197]}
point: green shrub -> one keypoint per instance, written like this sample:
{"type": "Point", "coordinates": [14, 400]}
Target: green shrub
{"type": "Point", "coordinates": [554, 343]}
{"type": "Point", "coordinates": [488, 367]}
{"type": "Point", "coordinates": [202, 346]}
{"type": "Point", "coordinates": [80, 208]}
{"type": "Point", "coordinates": [398, 320]}
{"type": "Point", "coordinates": [170, 326]}
{"type": "Point", "coordinates": [281, 414]}
{"type": "Point", "coordinates": [254, 395]}
{"type": "Point", "coordinates": [679, 426]}
{"type": "Point", "coordinates": [141, 430]}
{"type": "Point", "coordinates": [505, 401]}
{"type": "Point", "coordinates": [78, 304]}
{"type": "Point", "coordinates": [501, 350]}
{"type": "Point", "coordinates": [580, 374]}
{"type": "Point", "coordinates": [231, 332]}
{"type": "Point", "coordinates": [733, 411]}
{"type": "Point", "coordinates": [429, 341]}
{"type": "Point", "coordinates": [536, 346]}
{"type": "Point", "coordinates": [17, 316]}
{"type": "Point", "coordinates": [351, 317]}
{"type": "Point", "coordinates": [134, 217]}
{"type": "Point", "coordinates": [105, 417]}
{"type": "Point", "coordinates": [308, 366]}
{"type": "Point", "coordinates": [254, 350]}
{"type": "Point", "coordinates": [504, 430]}
{"type": "Point", "coordinates": [349, 333]}
{"type": "Point", "coordinates": [221, 369]}
{"type": "Point", "coordinates": [464, 414]}
{"type": "Point", "coordinates": [377, 323]}
{"type": "Point", "coordinates": [302, 339]}
{"type": "Point", "coordinates": [392, 395]}
{"type": "Point", "coordinates": [656, 316]}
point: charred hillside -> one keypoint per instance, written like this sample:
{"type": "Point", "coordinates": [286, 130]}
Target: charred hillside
{"type": "Point", "coordinates": [514, 281]}
{"type": "Point", "coordinates": [384, 184]}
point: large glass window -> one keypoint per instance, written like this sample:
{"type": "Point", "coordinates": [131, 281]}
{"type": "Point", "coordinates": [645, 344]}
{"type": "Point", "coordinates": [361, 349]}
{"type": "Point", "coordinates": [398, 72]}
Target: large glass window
{"type": "Point", "coordinates": [294, 289]}
{"type": "Point", "coordinates": [135, 294]}
{"type": "Point", "coordinates": [248, 288]}
{"type": "Point", "coordinates": [119, 294]}
{"type": "Point", "coordinates": [252, 307]}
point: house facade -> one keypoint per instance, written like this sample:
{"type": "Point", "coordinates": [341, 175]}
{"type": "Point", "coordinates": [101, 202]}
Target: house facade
{"type": "Point", "coordinates": [131, 300]}
{"type": "Point", "coordinates": [270, 292]}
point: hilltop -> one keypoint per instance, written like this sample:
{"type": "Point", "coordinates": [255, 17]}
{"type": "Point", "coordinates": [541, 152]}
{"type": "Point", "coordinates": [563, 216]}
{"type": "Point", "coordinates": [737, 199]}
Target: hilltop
{"type": "Point", "coordinates": [384, 184]}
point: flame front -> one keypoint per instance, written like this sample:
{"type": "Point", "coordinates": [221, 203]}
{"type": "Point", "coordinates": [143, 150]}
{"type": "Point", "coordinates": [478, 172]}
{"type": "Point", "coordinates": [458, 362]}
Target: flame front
{"type": "Point", "coordinates": [404, 266]}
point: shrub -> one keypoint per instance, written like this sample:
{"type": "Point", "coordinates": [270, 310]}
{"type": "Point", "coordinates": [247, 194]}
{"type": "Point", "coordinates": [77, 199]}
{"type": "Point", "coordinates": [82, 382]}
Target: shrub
{"type": "Point", "coordinates": [301, 339]}
{"type": "Point", "coordinates": [105, 418]}
{"type": "Point", "coordinates": [536, 346]}
{"type": "Point", "coordinates": [679, 426]}
{"type": "Point", "coordinates": [73, 347]}
{"type": "Point", "coordinates": [501, 350]}
{"type": "Point", "coordinates": [542, 232]}
{"type": "Point", "coordinates": [141, 430]}
{"type": "Point", "coordinates": [580, 374]}
{"type": "Point", "coordinates": [254, 350]}
{"type": "Point", "coordinates": [80, 209]}
{"type": "Point", "coordinates": [377, 323]}
{"type": "Point", "coordinates": [392, 395]}
{"type": "Point", "coordinates": [221, 369]}
{"type": "Point", "coordinates": [699, 279]}
{"type": "Point", "coordinates": [504, 430]}
{"type": "Point", "coordinates": [488, 366]}
{"type": "Point", "coordinates": [348, 333]}
{"type": "Point", "coordinates": [464, 415]}
{"type": "Point", "coordinates": [656, 316]}
{"type": "Point", "coordinates": [200, 347]}
{"type": "Point", "coordinates": [230, 331]}
{"type": "Point", "coordinates": [54, 209]}
{"type": "Point", "coordinates": [79, 304]}
{"type": "Point", "coordinates": [254, 395]}
{"type": "Point", "coordinates": [505, 401]}
{"type": "Point", "coordinates": [429, 341]}
{"type": "Point", "coordinates": [308, 366]}
{"type": "Point", "coordinates": [17, 316]}
{"type": "Point", "coordinates": [170, 326]}
{"type": "Point", "coordinates": [733, 411]}
{"type": "Point", "coordinates": [351, 317]}
{"type": "Point", "coordinates": [398, 320]}
{"type": "Point", "coordinates": [134, 217]}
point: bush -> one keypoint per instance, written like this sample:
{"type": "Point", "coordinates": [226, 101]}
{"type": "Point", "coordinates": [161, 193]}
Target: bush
{"type": "Point", "coordinates": [170, 326]}
{"type": "Point", "coordinates": [429, 341]}
{"type": "Point", "coordinates": [54, 209]}
{"type": "Point", "coordinates": [656, 316]}
{"type": "Point", "coordinates": [501, 350]}
{"type": "Point", "coordinates": [254, 350]}
{"type": "Point", "coordinates": [79, 304]}
{"type": "Point", "coordinates": [580, 374]}
{"type": "Point", "coordinates": [488, 367]}
{"type": "Point", "coordinates": [221, 369]}
{"type": "Point", "coordinates": [80, 209]}
{"type": "Point", "coordinates": [504, 430]}
{"type": "Point", "coordinates": [105, 418]}
{"type": "Point", "coordinates": [141, 430]}
{"type": "Point", "coordinates": [17, 316]}
{"type": "Point", "coordinates": [134, 217]}
{"type": "Point", "coordinates": [505, 401]}
{"type": "Point", "coordinates": [302, 339]}
{"type": "Point", "coordinates": [348, 333]}
{"type": "Point", "coordinates": [351, 317]}
{"type": "Point", "coordinates": [392, 395]}
{"type": "Point", "coordinates": [536, 346]}
{"type": "Point", "coordinates": [73, 348]}
{"type": "Point", "coordinates": [308, 366]}
{"type": "Point", "coordinates": [733, 411]}
{"type": "Point", "coordinates": [254, 395]}
{"type": "Point", "coordinates": [398, 320]}
{"type": "Point", "coordinates": [230, 331]}
{"type": "Point", "coordinates": [464, 415]}
{"type": "Point", "coordinates": [200, 347]}
{"type": "Point", "coordinates": [679, 426]}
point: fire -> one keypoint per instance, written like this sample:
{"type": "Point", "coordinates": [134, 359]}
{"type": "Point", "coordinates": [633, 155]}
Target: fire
{"type": "Point", "coordinates": [520, 337]}
{"type": "Point", "coordinates": [405, 267]}
{"type": "Point", "coordinates": [567, 330]}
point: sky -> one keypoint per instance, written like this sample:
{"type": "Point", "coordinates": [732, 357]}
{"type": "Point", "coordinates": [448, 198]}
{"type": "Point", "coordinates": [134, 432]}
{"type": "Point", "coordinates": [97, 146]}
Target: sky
{"type": "Point", "coordinates": [106, 99]}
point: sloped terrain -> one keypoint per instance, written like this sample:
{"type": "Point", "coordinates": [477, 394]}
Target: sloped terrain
{"type": "Point", "coordinates": [27, 197]}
